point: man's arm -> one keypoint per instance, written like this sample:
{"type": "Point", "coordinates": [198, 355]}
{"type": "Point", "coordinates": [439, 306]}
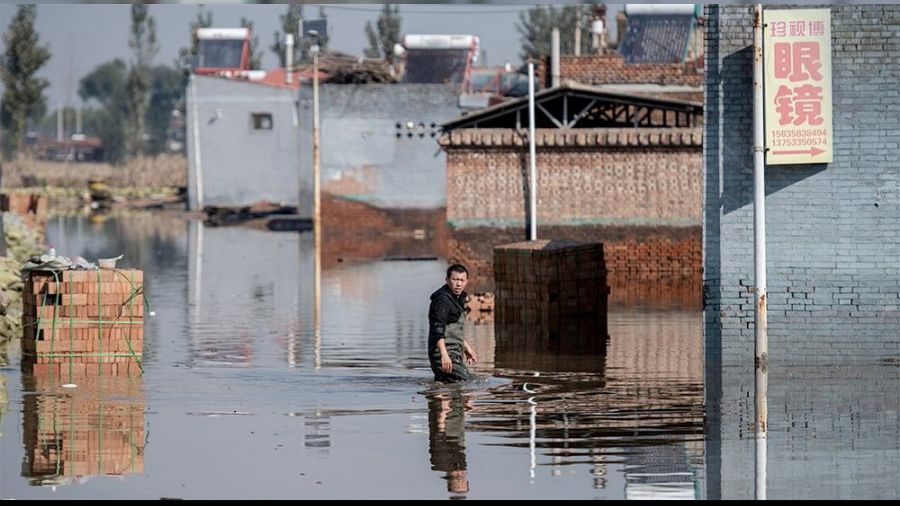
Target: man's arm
{"type": "Point", "coordinates": [446, 363]}
{"type": "Point", "coordinates": [438, 314]}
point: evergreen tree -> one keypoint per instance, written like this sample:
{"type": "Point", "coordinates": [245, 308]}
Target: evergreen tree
{"type": "Point", "coordinates": [143, 43]}
{"type": "Point", "coordinates": [23, 95]}
{"type": "Point", "coordinates": [536, 25]}
{"type": "Point", "coordinates": [255, 54]}
{"type": "Point", "coordinates": [106, 85]}
{"type": "Point", "coordinates": [323, 38]}
{"type": "Point", "coordinates": [203, 20]}
{"type": "Point", "coordinates": [290, 23]}
{"type": "Point", "coordinates": [385, 34]}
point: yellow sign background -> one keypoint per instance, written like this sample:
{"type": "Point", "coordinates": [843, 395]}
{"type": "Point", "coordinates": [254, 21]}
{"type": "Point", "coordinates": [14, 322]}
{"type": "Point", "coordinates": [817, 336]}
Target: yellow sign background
{"type": "Point", "coordinates": [797, 55]}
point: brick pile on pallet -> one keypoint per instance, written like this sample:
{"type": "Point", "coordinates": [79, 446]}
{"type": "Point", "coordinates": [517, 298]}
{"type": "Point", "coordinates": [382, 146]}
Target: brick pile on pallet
{"type": "Point", "coordinates": [83, 321]}
{"type": "Point", "coordinates": [550, 295]}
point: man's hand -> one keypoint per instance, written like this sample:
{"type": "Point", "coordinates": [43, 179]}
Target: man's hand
{"type": "Point", "coordinates": [471, 357]}
{"type": "Point", "coordinates": [446, 363]}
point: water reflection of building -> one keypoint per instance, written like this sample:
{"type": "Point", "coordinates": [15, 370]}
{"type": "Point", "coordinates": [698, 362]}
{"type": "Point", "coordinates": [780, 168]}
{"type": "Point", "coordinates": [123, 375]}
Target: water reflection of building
{"type": "Point", "coordinates": [833, 432]}
{"type": "Point", "coordinates": [663, 472]}
{"type": "Point", "coordinates": [96, 428]}
{"type": "Point", "coordinates": [317, 427]}
{"type": "Point", "coordinates": [377, 291]}
{"type": "Point", "coordinates": [638, 404]}
{"type": "Point", "coordinates": [248, 290]}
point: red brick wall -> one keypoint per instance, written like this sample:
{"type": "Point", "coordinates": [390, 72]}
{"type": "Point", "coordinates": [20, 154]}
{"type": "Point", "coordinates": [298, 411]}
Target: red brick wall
{"type": "Point", "coordinates": [355, 231]}
{"type": "Point", "coordinates": [604, 176]}
{"type": "Point", "coordinates": [612, 69]}
{"type": "Point", "coordinates": [643, 263]}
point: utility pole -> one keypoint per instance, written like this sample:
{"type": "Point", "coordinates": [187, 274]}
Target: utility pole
{"type": "Point", "coordinates": [60, 122]}
{"type": "Point", "coordinates": [532, 162]}
{"type": "Point", "coordinates": [317, 216]}
{"type": "Point", "coordinates": [759, 243]}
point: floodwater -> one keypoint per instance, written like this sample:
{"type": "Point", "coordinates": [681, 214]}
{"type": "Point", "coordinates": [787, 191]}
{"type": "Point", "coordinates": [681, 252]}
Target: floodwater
{"type": "Point", "coordinates": [242, 397]}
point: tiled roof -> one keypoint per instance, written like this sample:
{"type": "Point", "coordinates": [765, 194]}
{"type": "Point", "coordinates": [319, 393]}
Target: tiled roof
{"type": "Point", "coordinates": [506, 137]}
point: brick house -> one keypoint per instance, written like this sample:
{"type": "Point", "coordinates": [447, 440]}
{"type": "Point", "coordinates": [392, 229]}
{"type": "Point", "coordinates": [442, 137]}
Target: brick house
{"type": "Point", "coordinates": [659, 52]}
{"type": "Point", "coordinates": [605, 161]}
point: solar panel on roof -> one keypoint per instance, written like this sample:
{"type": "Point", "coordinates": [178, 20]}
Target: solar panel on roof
{"type": "Point", "coordinates": [656, 39]}
{"type": "Point", "coordinates": [436, 65]}
{"type": "Point", "coordinates": [319, 25]}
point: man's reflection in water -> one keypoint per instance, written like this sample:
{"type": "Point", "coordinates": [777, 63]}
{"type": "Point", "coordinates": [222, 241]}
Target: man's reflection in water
{"type": "Point", "coordinates": [447, 436]}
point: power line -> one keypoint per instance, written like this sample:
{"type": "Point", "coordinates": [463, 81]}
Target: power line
{"type": "Point", "coordinates": [405, 12]}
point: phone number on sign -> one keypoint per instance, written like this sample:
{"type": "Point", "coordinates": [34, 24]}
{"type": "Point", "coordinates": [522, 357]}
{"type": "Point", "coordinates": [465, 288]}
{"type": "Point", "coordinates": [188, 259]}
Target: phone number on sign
{"type": "Point", "coordinates": [804, 132]}
{"type": "Point", "coordinates": [800, 142]}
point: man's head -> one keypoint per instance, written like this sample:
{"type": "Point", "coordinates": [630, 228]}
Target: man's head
{"type": "Point", "coordinates": [458, 481]}
{"type": "Point", "coordinates": [457, 277]}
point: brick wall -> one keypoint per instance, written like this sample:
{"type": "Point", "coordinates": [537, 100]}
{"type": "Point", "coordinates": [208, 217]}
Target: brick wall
{"type": "Point", "coordinates": [603, 176]}
{"type": "Point", "coordinates": [833, 230]}
{"type": "Point", "coordinates": [355, 231]}
{"type": "Point", "coordinates": [612, 69]}
{"type": "Point", "coordinates": [648, 266]}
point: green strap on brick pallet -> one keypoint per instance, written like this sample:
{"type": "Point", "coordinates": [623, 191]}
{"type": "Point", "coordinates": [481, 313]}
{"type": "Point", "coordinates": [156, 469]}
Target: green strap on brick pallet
{"type": "Point", "coordinates": [99, 322]}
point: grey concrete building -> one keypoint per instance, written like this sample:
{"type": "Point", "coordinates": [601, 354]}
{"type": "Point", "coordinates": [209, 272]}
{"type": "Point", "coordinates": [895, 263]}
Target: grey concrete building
{"type": "Point", "coordinates": [243, 145]}
{"type": "Point", "coordinates": [379, 141]}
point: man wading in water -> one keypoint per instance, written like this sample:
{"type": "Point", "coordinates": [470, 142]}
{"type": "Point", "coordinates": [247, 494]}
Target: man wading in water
{"type": "Point", "coordinates": [446, 345]}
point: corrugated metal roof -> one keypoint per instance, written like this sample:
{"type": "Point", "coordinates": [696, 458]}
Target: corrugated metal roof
{"type": "Point", "coordinates": [429, 66]}
{"type": "Point", "coordinates": [656, 38]}
{"type": "Point", "coordinates": [504, 114]}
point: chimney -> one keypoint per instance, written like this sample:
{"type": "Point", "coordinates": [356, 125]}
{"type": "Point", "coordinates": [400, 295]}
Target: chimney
{"type": "Point", "coordinates": [621, 26]}
{"type": "Point", "coordinates": [598, 29]}
{"type": "Point", "coordinates": [288, 58]}
{"type": "Point", "coordinates": [60, 123]}
{"type": "Point", "coordinates": [554, 58]}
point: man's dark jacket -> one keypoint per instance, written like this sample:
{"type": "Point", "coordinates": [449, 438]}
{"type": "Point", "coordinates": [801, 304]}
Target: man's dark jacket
{"type": "Point", "coordinates": [445, 309]}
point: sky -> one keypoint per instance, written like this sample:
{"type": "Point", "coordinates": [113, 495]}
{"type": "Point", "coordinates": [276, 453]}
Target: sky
{"type": "Point", "coordinates": [83, 36]}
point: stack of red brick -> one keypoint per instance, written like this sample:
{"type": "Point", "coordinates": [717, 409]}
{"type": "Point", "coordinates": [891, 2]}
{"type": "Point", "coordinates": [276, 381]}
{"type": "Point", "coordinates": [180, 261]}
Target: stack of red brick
{"type": "Point", "coordinates": [86, 320]}
{"type": "Point", "coordinates": [550, 295]}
